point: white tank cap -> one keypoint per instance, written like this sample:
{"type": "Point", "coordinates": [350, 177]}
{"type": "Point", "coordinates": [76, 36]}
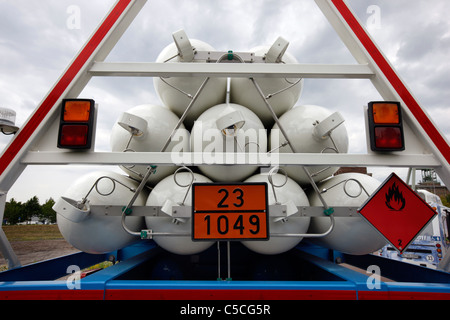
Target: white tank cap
{"type": "Point", "coordinates": [70, 209]}
{"type": "Point", "coordinates": [184, 46]}
{"type": "Point", "coordinates": [277, 50]}
{"type": "Point", "coordinates": [136, 125]}
{"type": "Point", "coordinates": [233, 120]}
{"type": "Point", "coordinates": [323, 129]}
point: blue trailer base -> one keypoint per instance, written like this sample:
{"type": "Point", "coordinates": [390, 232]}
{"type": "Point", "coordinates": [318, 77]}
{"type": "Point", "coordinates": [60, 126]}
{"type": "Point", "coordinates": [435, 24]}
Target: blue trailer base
{"type": "Point", "coordinates": [146, 272]}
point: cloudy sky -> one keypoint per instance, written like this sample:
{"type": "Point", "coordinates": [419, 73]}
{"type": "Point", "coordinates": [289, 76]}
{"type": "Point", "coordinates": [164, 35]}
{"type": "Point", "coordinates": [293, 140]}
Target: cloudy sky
{"type": "Point", "coordinates": [38, 39]}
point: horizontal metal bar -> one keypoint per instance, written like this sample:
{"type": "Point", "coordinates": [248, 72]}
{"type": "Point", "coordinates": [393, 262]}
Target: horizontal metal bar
{"type": "Point", "coordinates": [274, 211]}
{"type": "Point", "coordinates": [149, 234]}
{"type": "Point", "coordinates": [268, 70]}
{"type": "Point", "coordinates": [255, 159]}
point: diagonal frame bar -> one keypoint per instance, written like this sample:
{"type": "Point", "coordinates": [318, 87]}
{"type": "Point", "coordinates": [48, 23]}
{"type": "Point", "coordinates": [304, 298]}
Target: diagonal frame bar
{"type": "Point", "coordinates": [386, 80]}
{"type": "Point", "coordinates": [69, 85]}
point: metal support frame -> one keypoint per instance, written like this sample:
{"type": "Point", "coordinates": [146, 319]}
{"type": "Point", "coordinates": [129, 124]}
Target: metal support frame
{"type": "Point", "coordinates": [371, 64]}
{"type": "Point", "coordinates": [196, 159]}
{"type": "Point", "coordinates": [70, 85]}
{"type": "Point", "coordinates": [386, 80]}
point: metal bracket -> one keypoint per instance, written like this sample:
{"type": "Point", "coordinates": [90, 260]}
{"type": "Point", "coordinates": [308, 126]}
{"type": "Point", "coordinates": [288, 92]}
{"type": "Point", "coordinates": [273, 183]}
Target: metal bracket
{"type": "Point", "coordinates": [215, 56]}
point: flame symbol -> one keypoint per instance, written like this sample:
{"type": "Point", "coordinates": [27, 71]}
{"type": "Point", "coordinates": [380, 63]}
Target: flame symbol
{"type": "Point", "coordinates": [394, 199]}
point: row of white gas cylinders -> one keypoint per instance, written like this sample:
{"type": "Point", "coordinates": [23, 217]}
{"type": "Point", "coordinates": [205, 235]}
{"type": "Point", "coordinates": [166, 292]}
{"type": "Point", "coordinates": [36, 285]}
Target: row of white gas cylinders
{"type": "Point", "coordinates": [177, 92]}
{"type": "Point", "coordinates": [245, 125]}
{"type": "Point", "coordinates": [97, 233]}
{"type": "Point", "coordinates": [229, 129]}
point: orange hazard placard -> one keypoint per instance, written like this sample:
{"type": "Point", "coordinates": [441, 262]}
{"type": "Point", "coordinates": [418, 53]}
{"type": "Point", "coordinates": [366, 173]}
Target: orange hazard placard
{"type": "Point", "coordinates": [229, 211]}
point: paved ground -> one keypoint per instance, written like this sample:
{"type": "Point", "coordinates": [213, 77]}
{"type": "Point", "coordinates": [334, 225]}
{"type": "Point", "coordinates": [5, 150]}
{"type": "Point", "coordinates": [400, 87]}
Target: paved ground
{"type": "Point", "coordinates": [38, 250]}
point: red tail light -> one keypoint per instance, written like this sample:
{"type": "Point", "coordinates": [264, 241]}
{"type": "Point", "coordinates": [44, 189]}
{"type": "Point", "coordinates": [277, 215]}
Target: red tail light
{"type": "Point", "coordinates": [385, 126]}
{"type": "Point", "coordinates": [76, 124]}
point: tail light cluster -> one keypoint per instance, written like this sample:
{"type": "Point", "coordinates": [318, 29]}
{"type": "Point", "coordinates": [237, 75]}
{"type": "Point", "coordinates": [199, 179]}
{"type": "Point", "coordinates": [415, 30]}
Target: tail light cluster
{"type": "Point", "coordinates": [76, 124]}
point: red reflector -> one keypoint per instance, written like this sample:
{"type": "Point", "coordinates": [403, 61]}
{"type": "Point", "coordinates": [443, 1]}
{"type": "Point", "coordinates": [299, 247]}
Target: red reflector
{"type": "Point", "coordinates": [74, 135]}
{"type": "Point", "coordinates": [388, 137]}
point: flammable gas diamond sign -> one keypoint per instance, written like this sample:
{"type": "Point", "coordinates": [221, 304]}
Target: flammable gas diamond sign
{"type": "Point", "coordinates": [397, 212]}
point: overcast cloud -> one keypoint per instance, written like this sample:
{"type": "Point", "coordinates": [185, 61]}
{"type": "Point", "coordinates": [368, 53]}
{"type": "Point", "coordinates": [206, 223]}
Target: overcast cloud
{"type": "Point", "coordinates": [38, 40]}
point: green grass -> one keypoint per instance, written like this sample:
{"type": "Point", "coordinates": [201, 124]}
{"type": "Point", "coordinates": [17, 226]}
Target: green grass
{"type": "Point", "coordinates": [32, 232]}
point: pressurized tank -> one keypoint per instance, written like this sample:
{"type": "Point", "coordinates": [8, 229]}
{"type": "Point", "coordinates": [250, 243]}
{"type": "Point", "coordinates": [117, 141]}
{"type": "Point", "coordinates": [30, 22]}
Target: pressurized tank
{"type": "Point", "coordinates": [153, 126]}
{"type": "Point", "coordinates": [174, 91]}
{"type": "Point", "coordinates": [98, 233]}
{"type": "Point", "coordinates": [310, 129]}
{"type": "Point", "coordinates": [352, 235]}
{"type": "Point", "coordinates": [229, 128]}
{"type": "Point", "coordinates": [284, 92]}
{"type": "Point", "coordinates": [174, 190]}
{"type": "Point", "coordinates": [289, 193]}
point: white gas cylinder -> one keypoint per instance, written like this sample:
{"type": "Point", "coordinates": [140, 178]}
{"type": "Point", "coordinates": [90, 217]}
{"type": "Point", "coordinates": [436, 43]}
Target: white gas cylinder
{"type": "Point", "coordinates": [228, 128]}
{"type": "Point", "coordinates": [284, 92]}
{"type": "Point", "coordinates": [98, 233]}
{"type": "Point", "coordinates": [310, 129]}
{"type": "Point", "coordinates": [172, 191]}
{"type": "Point", "coordinates": [351, 235]}
{"type": "Point", "coordinates": [174, 91]}
{"type": "Point", "coordinates": [289, 193]}
{"type": "Point", "coordinates": [152, 125]}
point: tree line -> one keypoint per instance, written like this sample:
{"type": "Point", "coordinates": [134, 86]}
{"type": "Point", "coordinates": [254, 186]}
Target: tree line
{"type": "Point", "coordinates": [18, 212]}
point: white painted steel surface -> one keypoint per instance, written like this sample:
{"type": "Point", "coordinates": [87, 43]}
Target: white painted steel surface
{"type": "Point", "coordinates": [101, 234]}
{"type": "Point", "coordinates": [214, 70]}
{"type": "Point", "coordinates": [160, 123]}
{"type": "Point", "coordinates": [208, 138]}
{"type": "Point", "coordinates": [286, 191]}
{"type": "Point", "coordinates": [169, 192]}
{"type": "Point", "coordinates": [283, 93]}
{"type": "Point", "coordinates": [352, 235]}
{"type": "Point", "coordinates": [299, 125]}
{"type": "Point", "coordinates": [174, 91]}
